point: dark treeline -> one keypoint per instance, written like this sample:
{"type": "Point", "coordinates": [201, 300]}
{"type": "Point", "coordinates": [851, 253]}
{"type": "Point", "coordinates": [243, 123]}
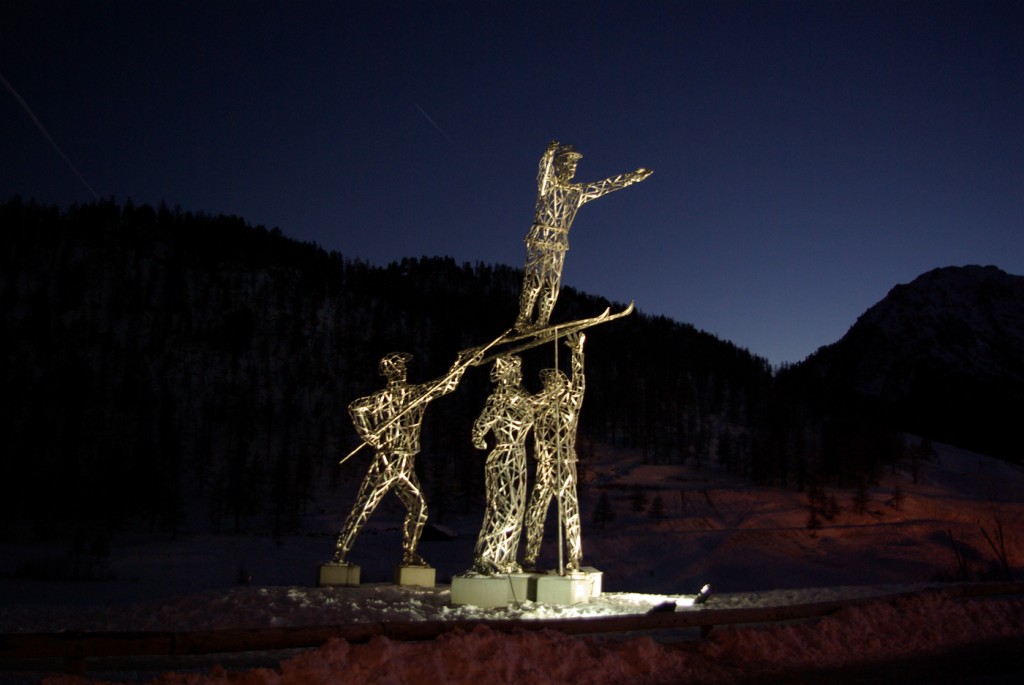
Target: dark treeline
{"type": "Point", "coordinates": [155, 358]}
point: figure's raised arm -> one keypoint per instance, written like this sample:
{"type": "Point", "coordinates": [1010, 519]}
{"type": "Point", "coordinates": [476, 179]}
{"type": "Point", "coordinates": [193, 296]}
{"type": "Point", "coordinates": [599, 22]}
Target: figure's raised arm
{"type": "Point", "coordinates": [546, 169]}
{"type": "Point", "coordinates": [574, 342]}
{"type": "Point", "coordinates": [592, 191]}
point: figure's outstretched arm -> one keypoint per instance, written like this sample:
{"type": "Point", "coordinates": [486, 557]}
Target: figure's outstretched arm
{"type": "Point", "coordinates": [592, 191]}
{"type": "Point", "coordinates": [448, 382]}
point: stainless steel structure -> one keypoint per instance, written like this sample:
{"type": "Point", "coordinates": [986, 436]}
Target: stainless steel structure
{"type": "Point", "coordinates": [508, 416]}
{"type": "Point", "coordinates": [557, 411]}
{"type": "Point", "coordinates": [389, 420]}
{"type": "Point", "coordinates": [558, 200]}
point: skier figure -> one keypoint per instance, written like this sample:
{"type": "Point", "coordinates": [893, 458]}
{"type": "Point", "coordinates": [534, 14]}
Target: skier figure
{"type": "Point", "coordinates": [389, 420]}
{"type": "Point", "coordinates": [558, 200]}
{"type": "Point", "coordinates": [508, 415]}
{"type": "Point", "coordinates": [556, 414]}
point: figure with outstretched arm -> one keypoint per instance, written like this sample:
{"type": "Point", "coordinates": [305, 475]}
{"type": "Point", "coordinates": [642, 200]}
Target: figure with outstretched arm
{"type": "Point", "coordinates": [558, 200]}
{"type": "Point", "coordinates": [556, 416]}
{"type": "Point", "coordinates": [508, 417]}
{"type": "Point", "coordinates": [389, 421]}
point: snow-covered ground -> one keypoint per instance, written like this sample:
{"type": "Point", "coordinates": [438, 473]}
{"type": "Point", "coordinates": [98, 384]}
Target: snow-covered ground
{"type": "Point", "coordinates": [751, 543]}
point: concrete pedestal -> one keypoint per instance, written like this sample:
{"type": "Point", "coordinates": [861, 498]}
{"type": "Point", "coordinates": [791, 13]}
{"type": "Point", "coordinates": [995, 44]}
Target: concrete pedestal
{"type": "Point", "coordinates": [498, 591]}
{"type": "Point", "coordinates": [332, 573]}
{"type": "Point", "coordinates": [572, 588]}
{"type": "Point", "coordinates": [419, 576]}
{"type": "Point", "coordinates": [492, 592]}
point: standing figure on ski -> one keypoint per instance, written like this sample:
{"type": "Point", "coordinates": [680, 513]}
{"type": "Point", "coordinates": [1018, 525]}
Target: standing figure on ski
{"type": "Point", "coordinates": [556, 414]}
{"type": "Point", "coordinates": [508, 416]}
{"type": "Point", "coordinates": [558, 200]}
{"type": "Point", "coordinates": [389, 420]}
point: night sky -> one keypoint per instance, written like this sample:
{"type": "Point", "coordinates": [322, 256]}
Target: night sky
{"type": "Point", "coordinates": [808, 156]}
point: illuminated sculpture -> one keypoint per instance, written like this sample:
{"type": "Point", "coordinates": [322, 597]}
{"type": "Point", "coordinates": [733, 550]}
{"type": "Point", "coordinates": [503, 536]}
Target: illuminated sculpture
{"type": "Point", "coordinates": [389, 420]}
{"type": "Point", "coordinates": [558, 200]}
{"type": "Point", "coordinates": [508, 416]}
{"type": "Point", "coordinates": [556, 414]}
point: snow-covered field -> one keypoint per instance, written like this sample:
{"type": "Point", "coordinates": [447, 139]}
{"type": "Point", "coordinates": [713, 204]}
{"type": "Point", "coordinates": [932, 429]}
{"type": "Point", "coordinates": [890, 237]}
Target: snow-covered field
{"type": "Point", "coordinates": [751, 543]}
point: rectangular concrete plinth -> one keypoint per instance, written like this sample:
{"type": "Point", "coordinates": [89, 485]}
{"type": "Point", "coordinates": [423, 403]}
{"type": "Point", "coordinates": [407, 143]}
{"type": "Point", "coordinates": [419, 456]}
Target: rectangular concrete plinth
{"type": "Point", "coordinates": [419, 576]}
{"type": "Point", "coordinates": [572, 588]}
{"type": "Point", "coordinates": [492, 592]}
{"type": "Point", "coordinates": [497, 591]}
{"type": "Point", "coordinates": [568, 589]}
{"type": "Point", "coordinates": [338, 574]}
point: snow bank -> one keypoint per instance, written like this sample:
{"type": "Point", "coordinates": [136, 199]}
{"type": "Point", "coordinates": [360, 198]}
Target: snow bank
{"type": "Point", "coordinates": [871, 633]}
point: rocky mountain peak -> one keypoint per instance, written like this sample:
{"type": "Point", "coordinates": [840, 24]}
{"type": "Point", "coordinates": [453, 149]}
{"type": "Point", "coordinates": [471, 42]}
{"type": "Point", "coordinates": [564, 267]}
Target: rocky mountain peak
{"type": "Point", "coordinates": [946, 348]}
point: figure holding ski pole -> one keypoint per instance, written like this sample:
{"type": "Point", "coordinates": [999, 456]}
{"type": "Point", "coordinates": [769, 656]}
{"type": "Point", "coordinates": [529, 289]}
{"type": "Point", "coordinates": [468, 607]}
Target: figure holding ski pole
{"type": "Point", "coordinates": [556, 415]}
{"type": "Point", "coordinates": [389, 420]}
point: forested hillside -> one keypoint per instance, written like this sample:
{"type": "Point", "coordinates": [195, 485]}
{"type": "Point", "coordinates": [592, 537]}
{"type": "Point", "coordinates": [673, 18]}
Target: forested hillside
{"type": "Point", "coordinates": [155, 358]}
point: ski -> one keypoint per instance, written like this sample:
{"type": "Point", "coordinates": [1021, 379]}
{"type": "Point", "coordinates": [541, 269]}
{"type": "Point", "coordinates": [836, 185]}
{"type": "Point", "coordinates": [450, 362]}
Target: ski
{"type": "Point", "coordinates": [520, 342]}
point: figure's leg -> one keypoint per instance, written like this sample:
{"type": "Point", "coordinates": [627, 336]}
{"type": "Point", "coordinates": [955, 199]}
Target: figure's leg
{"type": "Point", "coordinates": [373, 488]}
{"type": "Point", "coordinates": [528, 295]}
{"type": "Point", "coordinates": [503, 530]}
{"type": "Point", "coordinates": [484, 555]}
{"type": "Point", "coordinates": [551, 283]}
{"type": "Point", "coordinates": [537, 511]}
{"type": "Point", "coordinates": [408, 489]}
{"type": "Point", "coordinates": [570, 506]}
{"type": "Point", "coordinates": [514, 508]}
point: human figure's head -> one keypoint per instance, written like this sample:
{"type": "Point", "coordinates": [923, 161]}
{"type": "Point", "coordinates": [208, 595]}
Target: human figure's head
{"type": "Point", "coordinates": [555, 382]}
{"type": "Point", "coordinates": [507, 369]}
{"type": "Point", "coordinates": [566, 161]}
{"type": "Point", "coordinates": [393, 365]}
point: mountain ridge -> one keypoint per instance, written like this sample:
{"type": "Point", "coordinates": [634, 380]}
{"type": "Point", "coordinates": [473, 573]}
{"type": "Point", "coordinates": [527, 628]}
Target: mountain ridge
{"type": "Point", "coordinates": [943, 354]}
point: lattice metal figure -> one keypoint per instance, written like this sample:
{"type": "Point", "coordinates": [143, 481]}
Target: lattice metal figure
{"type": "Point", "coordinates": [389, 420]}
{"type": "Point", "coordinates": [508, 416]}
{"type": "Point", "coordinates": [558, 200]}
{"type": "Point", "coordinates": [556, 414]}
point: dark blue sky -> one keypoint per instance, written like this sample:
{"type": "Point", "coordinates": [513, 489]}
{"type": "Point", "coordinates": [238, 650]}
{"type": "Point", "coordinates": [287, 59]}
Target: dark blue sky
{"type": "Point", "coordinates": [808, 155]}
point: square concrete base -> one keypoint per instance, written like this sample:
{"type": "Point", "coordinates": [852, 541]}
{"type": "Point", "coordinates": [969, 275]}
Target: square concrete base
{"type": "Point", "coordinates": [332, 573]}
{"type": "Point", "coordinates": [492, 592]}
{"type": "Point", "coordinates": [572, 588]}
{"type": "Point", "coordinates": [419, 576]}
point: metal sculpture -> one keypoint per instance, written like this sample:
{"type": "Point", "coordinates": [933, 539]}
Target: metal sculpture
{"type": "Point", "coordinates": [558, 200]}
{"type": "Point", "coordinates": [390, 420]}
{"type": "Point", "coordinates": [508, 416]}
{"type": "Point", "coordinates": [556, 414]}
